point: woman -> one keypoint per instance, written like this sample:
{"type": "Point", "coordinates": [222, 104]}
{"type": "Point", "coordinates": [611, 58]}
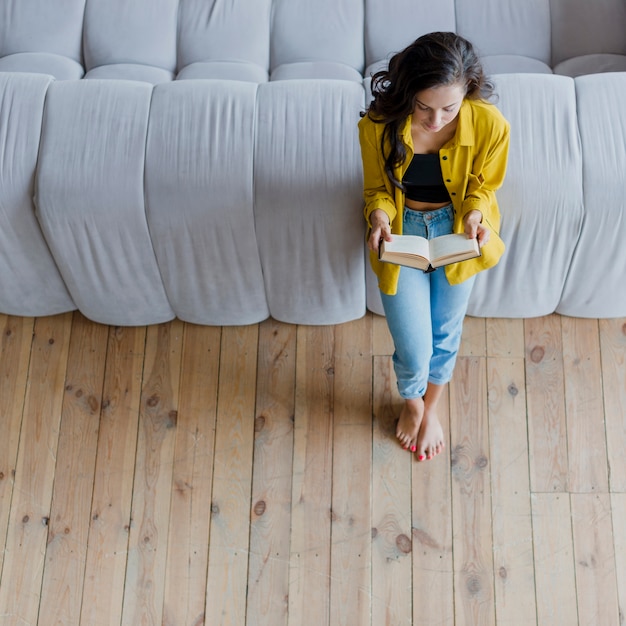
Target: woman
{"type": "Point", "coordinates": [434, 151]}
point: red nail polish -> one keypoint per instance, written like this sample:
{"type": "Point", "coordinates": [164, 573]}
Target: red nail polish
{"type": "Point", "coordinates": [413, 448]}
{"type": "Point", "coordinates": [421, 457]}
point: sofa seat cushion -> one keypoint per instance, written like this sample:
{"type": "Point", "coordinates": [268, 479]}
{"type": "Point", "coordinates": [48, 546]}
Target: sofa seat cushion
{"type": "Point", "coordinates": [513, 63]}
{"type": "Point", "coordinates": [592, 64]}
{"type": "Point", "coordinates": [62, 68]}
{"type": "Point", "coordinates": [315, 70]}
{"type": "Point", "coordinates": [131, 71]}
{"type": "Point", "coordinates": [224, 70]}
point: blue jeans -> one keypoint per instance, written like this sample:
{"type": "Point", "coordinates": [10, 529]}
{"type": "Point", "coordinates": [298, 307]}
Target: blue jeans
{"type": "Point", "coordinates": [425, 317]}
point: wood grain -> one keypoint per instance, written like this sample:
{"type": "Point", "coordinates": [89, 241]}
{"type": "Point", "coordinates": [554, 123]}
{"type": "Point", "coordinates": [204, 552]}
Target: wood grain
{"type": "Point", "coordinates": [586, 436]}
{"type": "Point", "coordinates": [596, 581]}
{"type": "Point", "coordinates": [232, 477]}
{"type": "Point", "coordinates": [392, 542]}
{"type": "Point", "coordinates": [107, 546]}
{"type": "Point", "coordinates": [27, 534]}
{"type": "Point", "coordinates": [351, 524]}
{"type": "Point", "coordinates": [510, 492]}
{"type": "Point", "coordinates": [471, 496]}
{"type": "Point", "coordinates": [555, 582]}
{"type": "Point", "coordinates": [613, 363]}
{"type": "Point", "coordinates": [309, 571]}
{"type": "Point", "coordinates": [187, 550]}
{"type": "Point", "coordinates": [270, 531]}
{"type": "Point", "coordinates": [62, 588]}
{"type": "Point", "coordinates": [147, 557]}
{"type": "Point", "coordinates": [15, 345]}
{"type": "Point", "coordinates": [547, 425]}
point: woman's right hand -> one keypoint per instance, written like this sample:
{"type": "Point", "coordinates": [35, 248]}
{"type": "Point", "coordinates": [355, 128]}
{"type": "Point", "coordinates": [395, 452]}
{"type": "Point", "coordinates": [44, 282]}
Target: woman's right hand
{"type": "Point", "coordinates": [381, 229]}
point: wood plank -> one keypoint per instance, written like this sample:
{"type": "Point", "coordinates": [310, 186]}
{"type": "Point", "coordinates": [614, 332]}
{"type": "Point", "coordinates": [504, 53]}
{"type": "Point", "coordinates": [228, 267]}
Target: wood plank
{"type": "Point", "coordinates": [510, 492]}
{"type": "Point", "coordinates": [474, 338]}
{"type": "Point", "coordinates": [27, 534]}
{"type": "Point", "coordinates": [433, 567]}
{"type": "Point", "coordinates": [145, 574]}
{"type": "Point", "coordinates": [618, 508]}
{"type": "Point", "coordinates": [15, 345]}
{"type": "Point", "coordinates": [187, 552]}
{"type": "Point", "coordinates": [613, 349]}
{"type": "Point", "coordinates": [270, 532]}
{"type": "Point", "coordinates": [391, 506]}
{"type": "Point", "coordinates": [107, 545]}
{"type": "Point", "coordinates": [64, 569]}
{"type": "Point", "coordinates": [232, 477]}
{"type": "Point", "coordinates": [351, 579]}
{"type": "Point", "coordinates": [586, 436]}
{"type": "Point", "coordinates": [505, 337]}
{"type": "Point", "coordinates": [471, 502]}
{"type": "Point", "coordinates": [547, 429]}
{"type": "Point", "coordinates": [309, 578]}
{"type": "Point", "coordinates": [594, 559]}
{"type": "Point", "coordinates": [382, 343]}
{"type": "Point", "coordinates": [555, 583]}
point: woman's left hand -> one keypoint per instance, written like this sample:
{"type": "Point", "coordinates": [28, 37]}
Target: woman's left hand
{"type": "Point", "coordinates": [474, 229]}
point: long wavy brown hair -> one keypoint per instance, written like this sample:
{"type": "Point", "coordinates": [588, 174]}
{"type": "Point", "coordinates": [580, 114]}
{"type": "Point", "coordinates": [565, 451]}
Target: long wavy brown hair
{"type": "Point", "coordinates": [434, 60]}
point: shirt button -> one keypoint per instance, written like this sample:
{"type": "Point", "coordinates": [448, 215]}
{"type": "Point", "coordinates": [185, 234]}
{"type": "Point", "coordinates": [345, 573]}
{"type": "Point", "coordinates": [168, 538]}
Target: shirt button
{"type": "Point", "coordinates": [445, 158]}
{"type": "Point", "coordinates": [448, 180]}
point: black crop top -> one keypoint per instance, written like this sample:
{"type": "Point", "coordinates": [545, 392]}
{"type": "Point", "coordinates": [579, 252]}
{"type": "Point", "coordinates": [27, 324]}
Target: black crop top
{"type": "Point", "coordinates": [423, 180]}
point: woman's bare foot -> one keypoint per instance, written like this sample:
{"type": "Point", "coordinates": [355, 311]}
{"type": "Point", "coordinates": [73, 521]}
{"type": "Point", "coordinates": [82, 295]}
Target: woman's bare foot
{"type": "Point", "coordinates": [430, 437]}
{"type": "Point", "coordinates": [409, 423]}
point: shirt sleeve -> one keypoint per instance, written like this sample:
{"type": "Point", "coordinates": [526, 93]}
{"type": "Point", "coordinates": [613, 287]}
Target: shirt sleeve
{"type": "Point", "coordinates": [376, 186]}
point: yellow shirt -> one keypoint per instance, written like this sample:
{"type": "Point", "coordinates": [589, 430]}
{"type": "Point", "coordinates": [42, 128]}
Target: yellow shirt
{"type": "Point", "coordinates": [473, 164]}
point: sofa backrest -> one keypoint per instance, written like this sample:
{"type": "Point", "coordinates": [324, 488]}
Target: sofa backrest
{"type": "Point", "coordinates": [391, 25]}
{"type": "Point", "coordinates": [584, 27]}
{"type": "Point", "coordinates": [42, 26]}
{"type": "Point", "coordinates": [137, 31]}
{"type": "Point", "coordinates": [511, 27]}
{"type": "Point", "coordinates": [325, 30]}
{"type": "Point", "coordinates": [210, 30]}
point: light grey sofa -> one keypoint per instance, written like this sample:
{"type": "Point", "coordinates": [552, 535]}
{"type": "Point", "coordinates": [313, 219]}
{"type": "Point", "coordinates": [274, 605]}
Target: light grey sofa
{"type": "Point", "coordinates": [199, 158]}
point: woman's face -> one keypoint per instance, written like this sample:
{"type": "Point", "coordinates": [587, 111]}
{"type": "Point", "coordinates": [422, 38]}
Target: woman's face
{"type": "Point", "coordinates": [437, 107]}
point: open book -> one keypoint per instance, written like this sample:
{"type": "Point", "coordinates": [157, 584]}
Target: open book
{"type": "Point", "coordinates": [428, 254]}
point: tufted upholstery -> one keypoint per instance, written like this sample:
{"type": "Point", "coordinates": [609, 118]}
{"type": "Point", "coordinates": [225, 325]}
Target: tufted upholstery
{"type": "Point", "coordinates": [199, 158]}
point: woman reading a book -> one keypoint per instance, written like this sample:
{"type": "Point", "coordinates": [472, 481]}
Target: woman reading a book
{"type": "Point", "coordinates": [434, 151]}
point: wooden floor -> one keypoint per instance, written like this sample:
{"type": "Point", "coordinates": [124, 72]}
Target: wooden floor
{"type": "Point", "coordinates": [187, 475]}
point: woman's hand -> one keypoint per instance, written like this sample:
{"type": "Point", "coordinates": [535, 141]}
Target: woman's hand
{"type": "Point", "coordinates": [381, 229]}
{"type": "Point", "coordinates": [474, 228]}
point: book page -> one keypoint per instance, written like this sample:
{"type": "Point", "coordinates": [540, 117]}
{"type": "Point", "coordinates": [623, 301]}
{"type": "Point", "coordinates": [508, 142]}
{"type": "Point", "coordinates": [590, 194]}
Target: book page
{"type": "Point", "coordinates": [454, 246]}
{"type": "Point", "coordinates": [408, 244]}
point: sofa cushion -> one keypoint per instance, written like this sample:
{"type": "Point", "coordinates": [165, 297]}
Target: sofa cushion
{"type": "Point", "coordinates": [325, 30]}
{"type": "Point", "coordinates": [131, 71]}
{"type": "Point", "coordinates": [308, 197]}
{"type": "Point", "coordinates": [592, 64]}
{"type": "Point", "coordinates": [61, 68]}
{"type": "Point", "coordinates": [199, 199]}
{"type": "Point", "coordinates": [42, 26]}
{"type": "Point", "coordinates": [541, 200]}
{"type": "Point", "coordinates": [90, 199]}
{"type": "Point", "coordinates": [224, 70]}
{"type": "Point", "coordinates": [512, 64]}
{"type": "Point", "coordinates": [595, 285]}
{"type": "Point", "coordinates": [30, 283]}
{"type": "Point", "coordinates": [582, 27]}
{"type": "Point", "coordinates": [508, 27]}
{"type": "Point", "coordinates": [390, 26]}
{"type": "Point", "coordinates": [209, 30]}
{"type": "Point", "coordinates": [316, 69]}
{"type": "Point", "coordinates": [141, 31]}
